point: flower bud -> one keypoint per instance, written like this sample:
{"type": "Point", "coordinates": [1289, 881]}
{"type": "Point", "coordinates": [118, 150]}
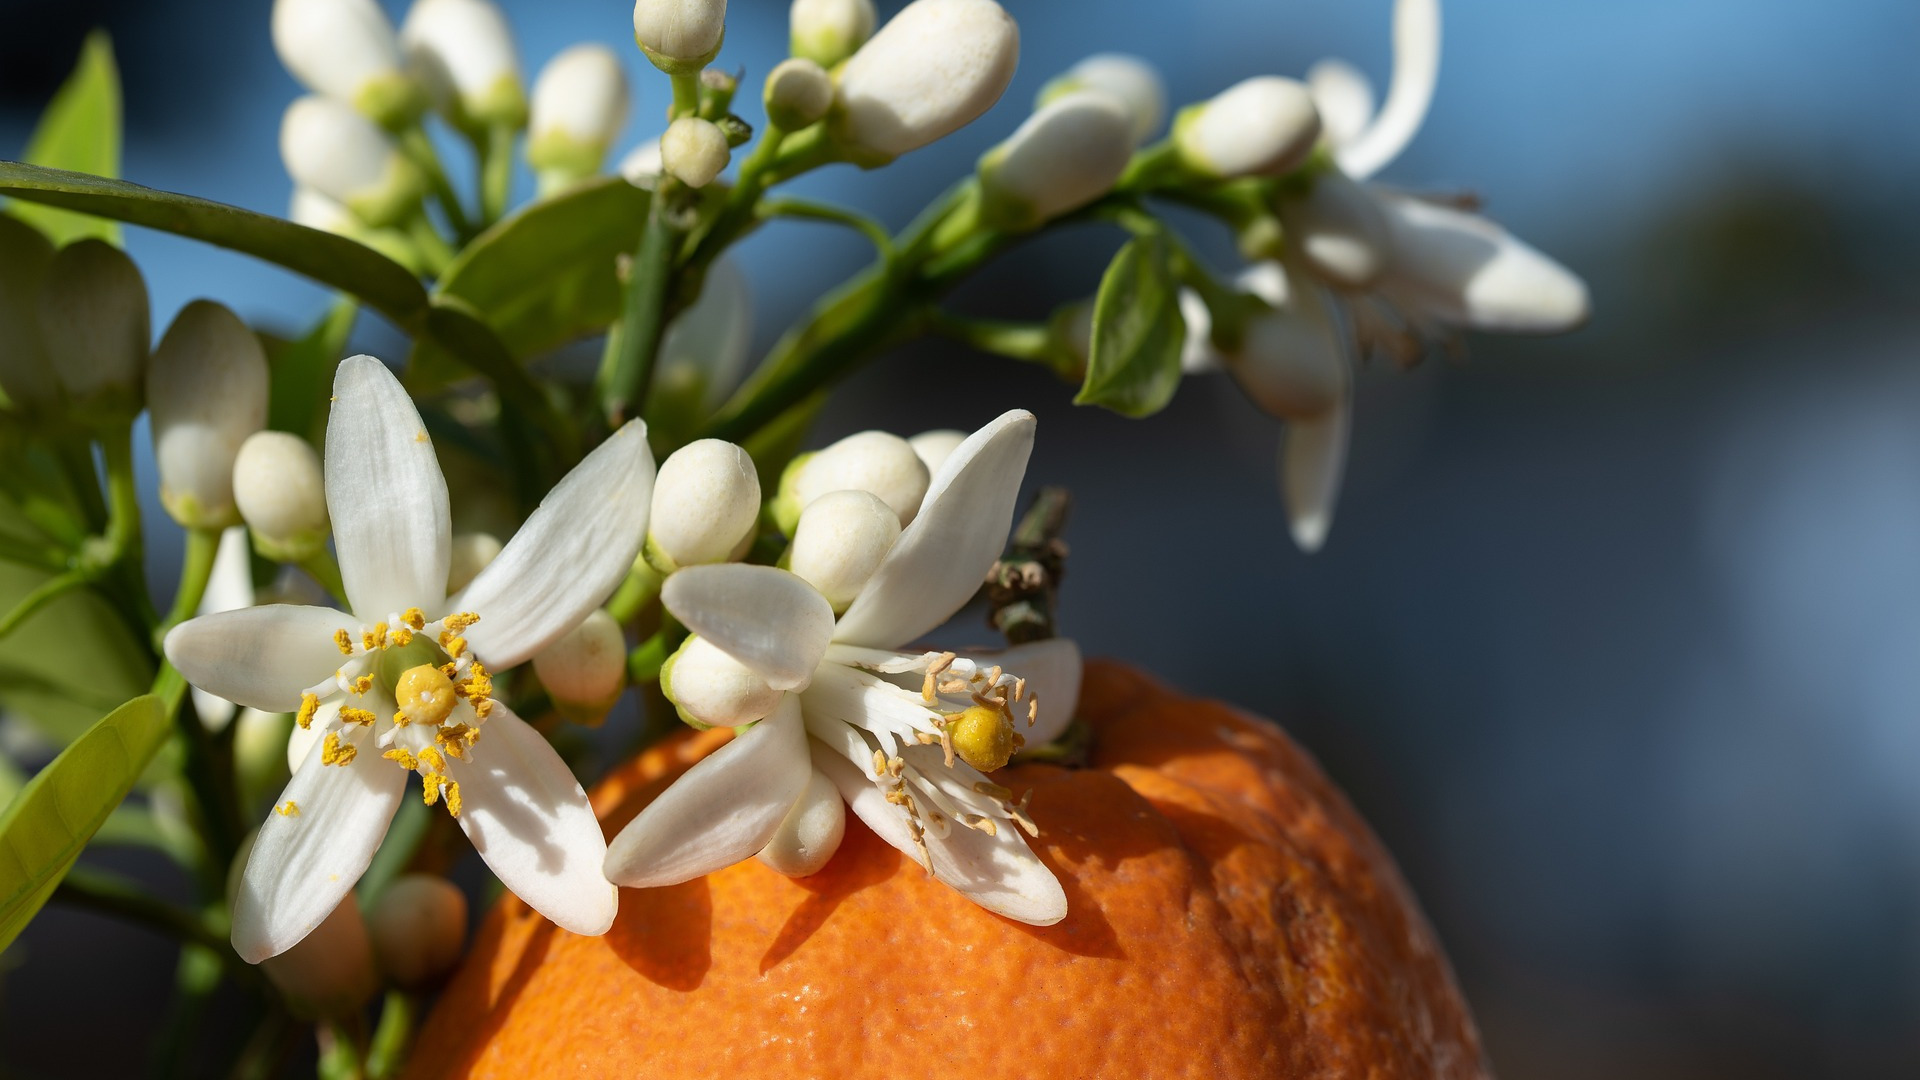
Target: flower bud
{"type": "Point", "coordinates": [706, 500]}
{"type": "Point", "coordinates": [93, 325]}
{"type": "Point", "coordinates": [463, 52]}
{"type": "Point", "coordinates": [347, 50]}
{"type": "Point", "coordinates": [872, 461]}
{"type": "Point", "coordinates": [1264, 126]}
{"type": "Point", "coordinates": [586, 669]}
{"type": "Point", "coordinates": [418, 927]}
{"type": "Point", "coordinates": [642, 164]}
{"type": "Point", "coordinates": [1062, 158]}
{"type": "Point", "coordinates": [1465, 270]}
{"type": "Point", "coordinates": [579, 107]}
{"type": "Point", "coordinates": [710, 688]}
{"type": "Point", "coordinates": [679, 36]}
{"type": "Point", "coordinates": [206, 393]}
{"type": "Point", "coordinates": [339, 153]}
{"type": "Point", "coordinates": [1129, 80]}
{"type": "Point", "coordinates": [277, 487]}
{"type": "Point", "coordinates": [935, 447]}
{"type": "Point", "coordinates": [1291, 359]}
{"type": "Point", "coordinates": [799, 93]}
{"type": "Point", "coordinates": [470, 554]}
{"type": "Point", "coordinates": [828, 31]}
{"type": "Point", "coordinates": [839, 542]}
{"type": "Point", "coordinates": [328, 973]}
{"type": "Point", "coordinates": [694, 151]}
{"type": "Point", "coordinates": [1338, 230]}
{"type": "Point", "coordinates": [25, 374]}
{"type": "Point", "coordinates": [811, 831]}
{"type": "Point", "coordinates": [933, 69]}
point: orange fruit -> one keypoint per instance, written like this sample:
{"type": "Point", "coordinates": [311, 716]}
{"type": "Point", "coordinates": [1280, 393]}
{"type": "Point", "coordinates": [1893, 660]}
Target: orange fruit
{"type": "Point", "coordinates": [1229, 916]}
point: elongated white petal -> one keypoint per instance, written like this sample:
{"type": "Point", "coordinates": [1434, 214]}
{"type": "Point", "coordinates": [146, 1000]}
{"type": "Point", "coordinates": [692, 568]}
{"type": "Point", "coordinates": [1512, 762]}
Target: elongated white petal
{"type": "Point", "coordinates": [1313, 458]}
{"type": "Point", "coordinates": [725, 809]}
{"type": "Point", "coordinates": [941, 559]}
{"type": "Point", "coordinates": [811, 832]}
{"type": "Point", "coordinates": [385, 495]}
{"type": "Point", "coordinates": [1344, 97]}
{"type": "Point", "coordinates": [229, 588]}
{"type": "Point", "coordinates": [768, 619]}
{"type": "Point", "coordinates": [306, 859]}
{"type": "Point", "coordinates": [1463, 269]}
{"type": "Point", "coordinates": [568, 557]}
{"type": "Point", "coordinates": [260, 657]}
{"type": "Point", "coordinates": [1416, 68]}
{"type": "Point", "coordinates": [1052, 670]}
{"type": "Point", "coordinates": [529, 819]}
{"type": "Point", "coordinates": [1197, 354]}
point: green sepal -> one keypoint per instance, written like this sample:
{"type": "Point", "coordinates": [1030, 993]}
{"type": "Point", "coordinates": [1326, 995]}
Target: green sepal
{"type": "Point", "coordinates": [1133, 367]}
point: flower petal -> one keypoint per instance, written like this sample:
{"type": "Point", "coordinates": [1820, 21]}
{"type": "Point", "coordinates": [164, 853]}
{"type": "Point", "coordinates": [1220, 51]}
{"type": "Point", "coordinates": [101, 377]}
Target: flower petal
{"type": "Point", "coordinates": [385, 495]}
{"type": "Point", "coordinates": [1313, 457]}
{"type": "Point", "coordinates": [1465, 270]}
{"type": "Point", "coordinates": [1416, 68]}
{"type": "Point", "coordinates": [1344, 98]}
{"type": "Point", "coordinates": [725, 809]}
{"type": "Point", "coordinates": [305, 860]}
{"type": "Point", "coordinates": [770, 620]}
{"type": "Point", "coordinates": [529, 819]}
{"type": "Point", "coordinates": [1052, 669]}
{"type": "Point", "coordinates": [569, 556]}
{"type": "Point", "coordinates": [229, 588]}
{"type": "Point", "coordinates": [941, 559]}
{"type": "Point", "coordinates": [261, 657]}
{"type": "Point", "coordinates": [811, 832]}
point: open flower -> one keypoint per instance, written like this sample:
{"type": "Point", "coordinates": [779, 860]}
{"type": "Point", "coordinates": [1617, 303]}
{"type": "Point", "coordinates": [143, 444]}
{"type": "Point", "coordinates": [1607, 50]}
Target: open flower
{"type": "Point", "coordinates": [904, 736]}
{"type": "Point", "coordinates": [411, 672]}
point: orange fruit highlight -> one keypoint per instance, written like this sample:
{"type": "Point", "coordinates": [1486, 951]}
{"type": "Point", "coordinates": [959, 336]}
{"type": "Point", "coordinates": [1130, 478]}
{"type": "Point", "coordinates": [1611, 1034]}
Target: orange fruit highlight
{"type": "Point", "coordinates": [1229, 916]}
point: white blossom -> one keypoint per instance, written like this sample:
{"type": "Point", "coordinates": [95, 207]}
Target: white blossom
{"type": "Point", "coordinates": [586, 669]}
{"type": "Point", "coordinates": [278, 489]}
{"type": "Point", "coordinates": [334, 150]}
{"type": "Point", "coordinates": [694, 151]}
{"type": "Point", "coordinates": [828, 31]}
{"type": "Point", "coordinates": [206, 393]}
{"type": "Point", "coordinates": [1264, 126]}
{"type": "Point", "coordinates": [579, 107]}
{"type": "Point", "coordinates": [348, 51]}
{"type": "Point", "coordinates": [679, 36]}
{"type": "Point", "coordinates": [463, 52]}
{"type": "Point", "coordinates": [799, 92]}
{"type": "Point", "coordinates": [1063, 157]}
{"type": "Point", "coordinates": [706, 502]}
{"type": "Point", "coordinates": [1129, 80]}
{"type": "Point", "coordinates": [930, 71]}
{"type": "Point", "coordinates": [877, 462]}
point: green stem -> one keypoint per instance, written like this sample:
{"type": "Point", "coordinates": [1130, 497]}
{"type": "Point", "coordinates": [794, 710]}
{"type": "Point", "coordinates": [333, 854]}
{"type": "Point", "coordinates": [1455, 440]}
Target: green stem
{"type": "Point", "coordinates": [639, 589]}
{"type": "Point", "coordinates": [322, 567]}
{"type": "Point", "coordinates": [804, 210]}
{"type": "Point", "coordinates": [393, 1037]}
{"type": "Point", "coordinates": [496, 173]}
{"type": "Point", "coordinates": [1019, 340]}
{"type": "Point", "coordinates": [46, 593]}
{"type": "Point", "coordinates": [686, 94]}
{"type": "Point", "coordinates": [196, 569]}
{"type": "Point", "coordinates": [736, 216]}
{"type": "Point", "coordinates": [624, 383]}
{"type": "Point", "coordinates": [419, 149]}
{"type": "Point", "coordinates": [1153, 167]}
{"type": "Point", "coordinates": [648, 657]}
{"type": "Point", "coordinates": [76, 461]}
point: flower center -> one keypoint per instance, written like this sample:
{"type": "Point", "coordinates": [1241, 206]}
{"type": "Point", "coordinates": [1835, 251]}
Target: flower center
{"type": "Point", "coordinates": [425, 695]}
{"type": "Point", "coordinates": [983, 736]}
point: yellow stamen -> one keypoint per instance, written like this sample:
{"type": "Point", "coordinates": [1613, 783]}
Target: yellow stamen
{"type": "Point", "coordinates": [453, 643]}
{"type": "Point", "coordinates": [425, 695]}
{"type": "Point", "coordinates": [335, 752]}
{"type": "Point", "coordinates": [458, 623]}
{"type": "Point", "coordinates": [309, 704]}
{"type": "Point", "coordinates": [431, 759]}
{"type": "Point", "coordinates": [362, 684]}
{"type": "Point", "coordinates": [453, 797]}
{"type": "Point", "coordinates": [414, 618]}
{"type": "Point", "coordinates": [402, 637]}
{"type": "Point", "coordinates": [345, 641]}
{"type": "Point", "coordinates": [350, 715]}
{"type": "Point", "coordinates": [399, 756]}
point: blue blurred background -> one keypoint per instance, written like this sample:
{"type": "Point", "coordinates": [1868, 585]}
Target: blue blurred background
{"type": "Point", "coordinates": [1617, 636]}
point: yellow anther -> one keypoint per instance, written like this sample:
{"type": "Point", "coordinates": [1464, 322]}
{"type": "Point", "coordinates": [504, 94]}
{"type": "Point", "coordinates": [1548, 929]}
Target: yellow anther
{"type": "Point", "coordinates": [350, 715]}
{"type": "Point", "coordinates": [399, 756]}
{"type": "Point", "coordinates": [453, 643]}
{"type": "Point", "coordinates": [362, 684]}
{"type": "Point", "coordinates": [288, 809]}
{"type": "Point", "coordinates": [481, 707]}
{"type": "Point", "coordinates": [336, 752]}
{"type": "Point", "coordinates": [458, 622]}
{"type": "Point", "coordinates": [345, 641]}
{"type": "Point", "coordinates": [401, 637]}
{"type": "Point", "coordinates": [453, 797]}
{"type": "Point", "coordinates": [414, 618]}
{"type": "Point", "coordinates": [309, 704]}
{"type": "Point", "coordinates": [425, 695]}
{"type": "Point", "coordinates": [457, 739]}
{"type": "Point", "coordinates": [431, 759]}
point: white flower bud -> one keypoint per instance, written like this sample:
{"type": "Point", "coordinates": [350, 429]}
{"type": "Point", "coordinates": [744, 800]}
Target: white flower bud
{"type": "Point", "coordinates": [828, 31]}
{"type": "Point", "coordinates": [418, 927]}
{"type": "Point", "coordinates": [1338, 230]}
{"type": "Point", "coordinates": [811, 831]}
{"type": "Point", "coordinates": [705, 347]}
{"type": "Point", "coordinates": [470, 554]}
{"type": "Point", "coordinates": [1291, 359]}
{"type": "Point", "coordinates": [839, 542]}
{"type": "Point", "coordinates": [1465, 270]}
{"type": "Point", "coordinates": [94, 324]}
{"type": "Point", "coordinates": [706, 500]}
{"type": "Point", "coordinates": [1264, 126]}
{"type": "Point", "coordinates": [206, 392]}
{"type": "Point", "coordinates": [799, 93]}
{"type": "Point", "coordinates": [277, 487]}
{"type": "Point", "coordinates": [694, 151]}
{"type": "Point", "coordinates": [329, 972]}
{"type": "Point", "coordinates": [463, 52]}
{"type": "Point", "coordinates": [25, 374]}
{"type": "Point", "coordinates": [871, 461]}
{"type": "Point", "coordinates": [935, 447]}
{"type": "Point", "coordinates": [1129, 80]}
{"type": "Point", "coordinates": [586, 669]}
{"type": "Point", "coordinates": [579, 107]}
{"type": "Point", "coordinates": [679, 36]}
{"type": "Point", "coordinates": [712, 688]}
{"type": "Point", "coordinates": [642, 164]}
{"type": "Point", "coordinates": [1062, 158]}
{"type": "Point", "coordinates": [339, 153]}
{"type": "Point", "coordinates": [932, 70]}
{"type": "Point", "coordinates": [347, 50]}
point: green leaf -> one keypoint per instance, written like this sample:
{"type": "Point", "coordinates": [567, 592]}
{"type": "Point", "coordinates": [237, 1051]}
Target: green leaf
{"type": "Point", "coordinates": [1138, 332]}
{"type": "Point", "coordinates": [302, 371]}
{"type": "Point", "coordinates": [80, 131]}
{"type": "Point", "coordinates": [331, 260]}
{"type": "Point", "coordinates": [53, 817]}
{"type": "Point", "coordinates": [546, 275]}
